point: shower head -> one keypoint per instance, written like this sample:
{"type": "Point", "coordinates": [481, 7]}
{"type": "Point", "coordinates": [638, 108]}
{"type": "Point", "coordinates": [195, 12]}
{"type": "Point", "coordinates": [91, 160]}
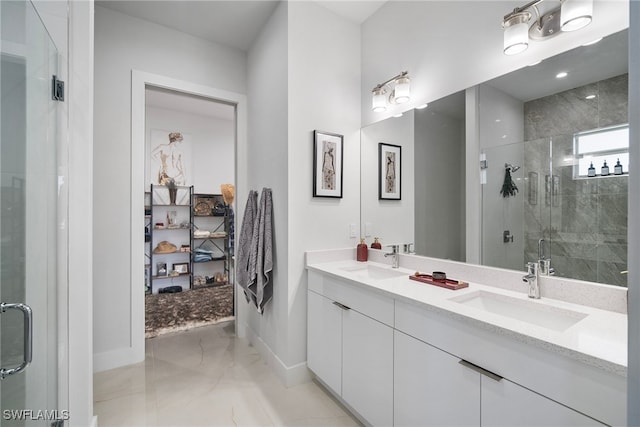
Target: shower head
{"type": "Point", "coordinates": [511, 167]}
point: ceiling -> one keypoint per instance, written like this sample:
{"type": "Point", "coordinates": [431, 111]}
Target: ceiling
{"type": "Point", "coordinates": [229, 23]}
{"type": "Point", "coordinates": [191, 104]}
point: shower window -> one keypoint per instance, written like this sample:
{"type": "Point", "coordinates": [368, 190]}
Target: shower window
{"type": "Point", "coordinates": [599, 145]}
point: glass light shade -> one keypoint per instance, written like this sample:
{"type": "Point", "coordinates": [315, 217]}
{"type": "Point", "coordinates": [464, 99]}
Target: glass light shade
{"type": "Point", "coordinates": [575, 14]}
{"type": "Point", "coordinates": [402, 91]}
{"type": "Point", "coordinates": [516, 33]}
{"type": "Point", "coordinates": [516, 38]}
{"type": "Point", "coordinates": [379, 101]}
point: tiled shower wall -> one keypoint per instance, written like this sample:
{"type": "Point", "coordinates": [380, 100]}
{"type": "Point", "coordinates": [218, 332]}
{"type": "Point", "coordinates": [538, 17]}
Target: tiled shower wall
{"type": "Point", "coordinates": [585, 220]}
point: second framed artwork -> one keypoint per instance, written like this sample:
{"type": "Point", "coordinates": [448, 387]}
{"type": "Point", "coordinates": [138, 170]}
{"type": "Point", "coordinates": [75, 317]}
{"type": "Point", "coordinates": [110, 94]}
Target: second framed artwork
{"type": "Point", "coordinates": [327, 164]}
{"type": "Point", "coordinates": [389, 171]}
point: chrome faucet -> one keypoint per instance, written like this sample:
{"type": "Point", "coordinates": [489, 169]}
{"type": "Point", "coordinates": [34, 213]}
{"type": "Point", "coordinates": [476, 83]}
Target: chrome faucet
{"type": "Point", "coordinates": [544, 260]}
{"type": "Point", "coordinates": [394, 254]}
{"type": "Point", "coordinates": [532, 280]}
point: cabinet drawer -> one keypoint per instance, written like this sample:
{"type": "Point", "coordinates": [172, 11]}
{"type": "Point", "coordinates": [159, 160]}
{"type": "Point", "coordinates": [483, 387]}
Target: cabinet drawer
{"type": "Point", "coordinates": [367, 302]}
{"type": "Point", "coordinates": [585, 388]}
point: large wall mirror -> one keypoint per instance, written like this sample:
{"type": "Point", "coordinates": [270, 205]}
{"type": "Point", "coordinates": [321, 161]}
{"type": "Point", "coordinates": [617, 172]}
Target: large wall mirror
{"type": "Point", "coordinates": [539, 134]}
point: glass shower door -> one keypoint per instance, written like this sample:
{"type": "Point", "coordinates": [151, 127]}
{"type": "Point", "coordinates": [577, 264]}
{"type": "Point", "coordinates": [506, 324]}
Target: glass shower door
{"type": "Point", "coordinates": [28, 214]}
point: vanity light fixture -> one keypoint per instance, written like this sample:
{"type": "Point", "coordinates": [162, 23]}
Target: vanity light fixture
{"type": "Point", "coordinates": [400, 93]}
{"type": "Point", "coordinates": [518, 29]}
{"type": "Point", "coordinates": [575, 14]}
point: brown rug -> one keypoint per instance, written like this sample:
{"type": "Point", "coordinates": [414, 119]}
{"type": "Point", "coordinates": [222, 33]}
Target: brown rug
{"type": "Point", "coordinates": [165, 313]}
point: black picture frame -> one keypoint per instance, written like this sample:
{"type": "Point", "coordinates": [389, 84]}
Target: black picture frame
{"type": "Point", "coordinates": [389, 171]}
{"type": "Point", "coordinates": [328, 149]}
{"type": "Point", "coordinates": [181, 267]}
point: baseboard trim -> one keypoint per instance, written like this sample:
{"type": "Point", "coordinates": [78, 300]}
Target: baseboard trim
{"type": "Point", "coordinates": [116, 358]}
{"type": "Point", "coordinates": [289, 375]}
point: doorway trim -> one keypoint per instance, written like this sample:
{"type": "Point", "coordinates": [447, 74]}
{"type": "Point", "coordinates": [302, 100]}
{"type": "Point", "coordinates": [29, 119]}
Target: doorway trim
{"type": "Point", "coordinates": [139, 82]}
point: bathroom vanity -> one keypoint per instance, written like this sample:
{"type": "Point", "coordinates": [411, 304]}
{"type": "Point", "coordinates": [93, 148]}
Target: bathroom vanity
{"type": "Point", "coordinates": [400, 352]}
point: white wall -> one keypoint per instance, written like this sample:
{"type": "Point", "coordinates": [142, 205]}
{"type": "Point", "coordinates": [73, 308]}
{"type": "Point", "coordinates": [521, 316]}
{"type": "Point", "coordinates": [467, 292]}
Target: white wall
{"type": "Point", "coordinates": [390, 220]}
{"type": "Point", "coordinates": [267, 167]}
{"type": "Point", "coordinates": [324, 82]}
{"type": "Point", "coordinates": [123, 43]}
{"type": "Point", "coordinates": [304, 74]}
{"type": "Point", "coordinates": [501, 118]}
{"type": "Point", "coordinates": [633, 409]}
{"type": "Point", "coordinates": [448, 46]}
{"type": "Point", "coordinates": [439, 188]}
{"type": "Point", "coordinates": [81, 195]}
{"type": "Point", "coordinates": [212, 145]}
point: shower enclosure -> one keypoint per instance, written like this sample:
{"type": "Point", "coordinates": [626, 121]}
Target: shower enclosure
{"type": "Point", "coordinates": [32, 225]}
{"type": "Point", "coordinates": [559, 213]}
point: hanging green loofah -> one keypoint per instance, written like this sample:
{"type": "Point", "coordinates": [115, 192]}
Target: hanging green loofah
{"type": "Point", "coordinates": [509, 188]}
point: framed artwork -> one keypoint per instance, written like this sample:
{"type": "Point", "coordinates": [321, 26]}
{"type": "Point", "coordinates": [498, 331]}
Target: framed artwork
{"type": "Point", "coordinates": [168, 154]}
{"type": "Point", "coordinates": [389, 171]}
{"type": "Point", "coordinates": [327, 164]}
{"type": "Point", "coordinates": [181, 268]}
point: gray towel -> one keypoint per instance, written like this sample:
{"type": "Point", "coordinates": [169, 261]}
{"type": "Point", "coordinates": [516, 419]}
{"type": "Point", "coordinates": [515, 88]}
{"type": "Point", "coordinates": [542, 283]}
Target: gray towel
{"type": "Point", "coordinates": [244, 243]}
{"type": "Point", "coordinates": [261, 256]}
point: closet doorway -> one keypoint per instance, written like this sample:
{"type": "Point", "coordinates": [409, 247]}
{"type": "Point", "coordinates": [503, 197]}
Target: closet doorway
{"type": "Point", "coordinates": [189, 173]}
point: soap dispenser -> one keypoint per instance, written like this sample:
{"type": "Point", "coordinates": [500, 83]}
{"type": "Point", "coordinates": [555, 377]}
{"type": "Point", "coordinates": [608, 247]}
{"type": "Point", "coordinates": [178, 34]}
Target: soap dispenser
{"type": "Point", "coordinates": [617, 169]}
{"type": "Point", "coordinates": [376, 243]}
{"type": "Point", "coordinates": [591, 170]}
{"type": "Point", "coordinates": [605, 169]}
{"type": "Point", "coordinates": [362, 251]}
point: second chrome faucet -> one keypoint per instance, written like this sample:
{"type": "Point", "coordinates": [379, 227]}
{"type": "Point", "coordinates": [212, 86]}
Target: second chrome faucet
{"type": "Point", "coordinates": [394, 254]}
{"type": "Point", "coordinates": [532, 280]}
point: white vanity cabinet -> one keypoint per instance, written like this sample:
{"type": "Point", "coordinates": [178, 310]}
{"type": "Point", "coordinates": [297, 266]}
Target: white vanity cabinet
{"type": "Point", "coordinates": [324, 340]}
{"type": "Point", "coordinates": [505, 403]}
{"type": "Point", "coordinates": [396, 361]}
{"type": "Point", "coordinates": [351, 351]}
{"type": "Point", "coordinates": [435, 388]}
{"type": "Point", "coordinates": [517, 384]}
{"type": "Point", "coordinates": [431, 388]}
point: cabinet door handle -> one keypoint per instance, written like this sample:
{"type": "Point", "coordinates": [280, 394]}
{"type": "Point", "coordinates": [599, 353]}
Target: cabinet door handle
{"type": "Point", "coordinates": [480, 370]}
{"type": "Point", "coordinates": [342, 306]}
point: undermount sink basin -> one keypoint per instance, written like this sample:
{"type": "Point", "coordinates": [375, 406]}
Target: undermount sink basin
{"type": "Point", "coordinates": [539, 314]}
{"type": "Point", "coordinates": [368, 271]}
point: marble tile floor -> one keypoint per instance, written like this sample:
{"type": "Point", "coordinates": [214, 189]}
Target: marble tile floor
{"type": "Point", "coordinates": [208, 377]}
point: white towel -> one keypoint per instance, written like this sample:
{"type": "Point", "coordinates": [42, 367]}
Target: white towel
{"type": "Point", "coordinates": [244, 243]}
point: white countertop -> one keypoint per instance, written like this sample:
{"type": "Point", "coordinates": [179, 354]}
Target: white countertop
{"type": "Point", "coordinates": [599, 339]}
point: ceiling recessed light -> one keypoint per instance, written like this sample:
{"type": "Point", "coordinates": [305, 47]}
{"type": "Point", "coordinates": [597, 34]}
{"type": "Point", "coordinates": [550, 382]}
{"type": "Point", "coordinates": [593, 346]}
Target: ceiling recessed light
{"type": "Point", "coordinates": [420, 107]}
{"type": "Point", "coordinates": [498, 120]}
{"type": "Point", "coordinates": [397, 115]}
{"type": "Point", "coordinates": [562, 75]}
{"type": "Point", "coordinates": [589, 97]}
{"type": "Point", "coordinates": [592, 42]}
